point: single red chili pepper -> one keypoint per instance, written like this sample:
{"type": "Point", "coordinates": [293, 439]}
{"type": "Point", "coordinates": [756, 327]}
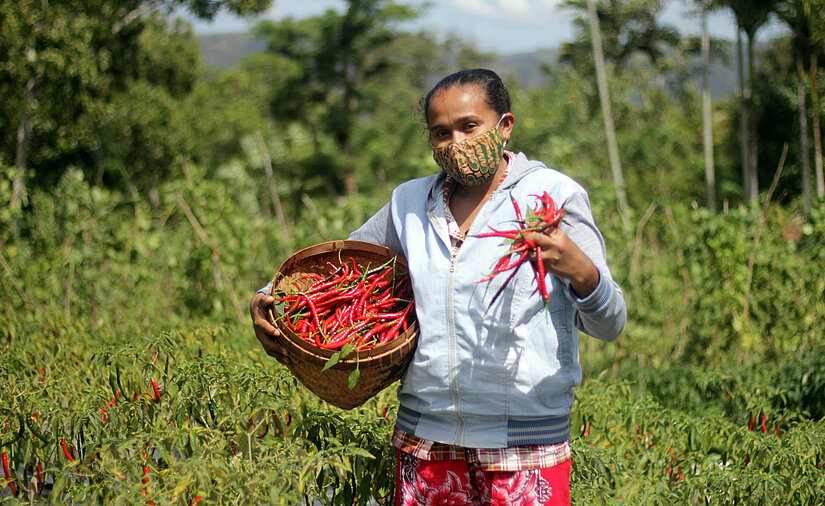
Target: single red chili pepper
{"type": "Point", "coordinates": [365, 338]}
{"type": "Point", "coordinates": [389, 316]}
{"type": "Point", "coordinates": [504, 234]}
{"type": "Point", "coordinates": [516, 208]}
{"type": "Point", "coordinates": [311, 306]}
{"type": "Point", "coordinates": [549, 206]}
{"type": "Point", "coordinates": [319, 287]}
{"type": "Point", "coordinates": [157, 392]}
{"type": "Point", "coordinates": [382, 305]}
{"type": "Point", "coordinates": [8, 474]}
{"type": "Point", "coordinates": [66, 450]}
{"type": "Point", "coordinates": [540, 275]}
{"type": "Point", "coordinates": [355, 269]}
{"type": "Point", "coordinates": [388, 336]}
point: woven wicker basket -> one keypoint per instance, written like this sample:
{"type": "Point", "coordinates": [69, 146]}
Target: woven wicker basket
{"type": "Point", "coordinates": [379, 367]}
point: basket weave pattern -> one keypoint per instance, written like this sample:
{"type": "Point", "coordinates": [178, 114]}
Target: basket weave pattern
{"type": "Point", "coordinates": [379, 367]}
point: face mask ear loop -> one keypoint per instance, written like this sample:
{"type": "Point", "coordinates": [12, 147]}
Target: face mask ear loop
{"type": "Point", "coordinates": [504, 144]}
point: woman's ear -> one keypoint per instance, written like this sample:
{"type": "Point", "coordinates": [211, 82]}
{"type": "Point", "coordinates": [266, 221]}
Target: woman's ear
{"type": "Point", "coordinates": [505, 128]}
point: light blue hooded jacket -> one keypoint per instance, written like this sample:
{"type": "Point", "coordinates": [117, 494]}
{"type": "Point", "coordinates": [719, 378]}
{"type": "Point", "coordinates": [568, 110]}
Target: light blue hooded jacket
{"type": "Point", "coordinates": [500, 375]}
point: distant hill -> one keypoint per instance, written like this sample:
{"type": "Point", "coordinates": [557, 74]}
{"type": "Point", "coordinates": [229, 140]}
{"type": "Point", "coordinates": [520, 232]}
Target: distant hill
{"type": "Point", "coordinates": [222, 51]}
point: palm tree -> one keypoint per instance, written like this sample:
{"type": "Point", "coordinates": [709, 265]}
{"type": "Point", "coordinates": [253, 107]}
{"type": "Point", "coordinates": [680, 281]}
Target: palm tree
{"type": "Point", "coordinates": [707, 120]}
{"type": "Point", "coordinates": [604, 98]}
{"type": "Point", "coordinates": [814, 12]}
{"type": "Point", "coordinates": [627, 28]}
{"type": "Point", "coordinates": [751, 15]}
{"type": "Point", "coordinates": [806, 19]}
{"type": "Point", "coordinates": [614, 31]}
{"type": "Point", "coordinates": [792, 12]}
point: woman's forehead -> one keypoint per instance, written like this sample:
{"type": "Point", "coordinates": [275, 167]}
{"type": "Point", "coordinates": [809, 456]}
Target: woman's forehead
{"type": "Point", "coordinates": [461, 100]}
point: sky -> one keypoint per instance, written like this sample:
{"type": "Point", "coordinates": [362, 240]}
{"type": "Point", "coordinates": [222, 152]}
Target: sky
{"type": "Point", "coordinates": [500, 26]}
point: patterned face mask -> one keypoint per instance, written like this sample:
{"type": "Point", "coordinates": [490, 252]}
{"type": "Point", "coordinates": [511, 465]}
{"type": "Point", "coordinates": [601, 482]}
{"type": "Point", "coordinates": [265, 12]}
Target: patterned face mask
{"type": "Point", "coordinates": [473, 161]}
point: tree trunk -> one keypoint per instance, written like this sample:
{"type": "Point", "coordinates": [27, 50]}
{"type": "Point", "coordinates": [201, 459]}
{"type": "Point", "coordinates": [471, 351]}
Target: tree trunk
{"type": "Point", "coordinates": [803, 135]}
{"type": "Point", "coordinates": [273, 191]}
{"type": "Point", "coordinates": [743, 119]}
{"type": "Point", "coordinates": [351, 78]}
{"type": "Point", "coordinates": [604, 97]}
{"type": "Point", "coordinates": [820, 184]}
{"type": "Point", "coordinates": [707, 120]}
{"type": "Point", "coordinates": [21, 157]}
{"type": "Point", "coordinates": [752, 137]}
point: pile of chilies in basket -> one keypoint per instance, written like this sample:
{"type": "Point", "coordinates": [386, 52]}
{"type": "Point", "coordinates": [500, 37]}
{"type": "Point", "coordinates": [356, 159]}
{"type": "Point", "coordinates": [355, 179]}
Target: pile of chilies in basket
{"type": "Point", "coordinates": [353, 308]}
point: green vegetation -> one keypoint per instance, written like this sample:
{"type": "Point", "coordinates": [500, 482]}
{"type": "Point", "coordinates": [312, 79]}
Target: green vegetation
{"type": "Point", "coordinates": [145, 196]}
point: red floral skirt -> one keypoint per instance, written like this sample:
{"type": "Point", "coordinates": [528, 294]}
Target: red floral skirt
{"type": "Point", "coordinates": [458, 482]}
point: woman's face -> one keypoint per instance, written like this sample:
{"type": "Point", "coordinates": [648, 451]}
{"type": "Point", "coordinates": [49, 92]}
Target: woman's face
{"type": "Point", "coordinates": [461, 112]}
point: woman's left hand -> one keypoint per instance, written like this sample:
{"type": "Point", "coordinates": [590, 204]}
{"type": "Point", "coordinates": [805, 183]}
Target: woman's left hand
{"type": "Point", "coordinates": [563, 258]}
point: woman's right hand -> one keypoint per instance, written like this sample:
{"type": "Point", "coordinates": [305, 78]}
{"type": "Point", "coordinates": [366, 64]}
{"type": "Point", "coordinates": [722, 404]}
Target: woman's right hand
{"type": "Point", "coordinates": [264, 330]}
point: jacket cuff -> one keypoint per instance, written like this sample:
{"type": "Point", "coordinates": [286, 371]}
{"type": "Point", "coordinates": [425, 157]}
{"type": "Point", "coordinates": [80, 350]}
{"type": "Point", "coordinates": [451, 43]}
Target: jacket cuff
{"type": "Point", "coordinates": [265, 290]}
{"type": "Point", "coordinates": [597, 298]}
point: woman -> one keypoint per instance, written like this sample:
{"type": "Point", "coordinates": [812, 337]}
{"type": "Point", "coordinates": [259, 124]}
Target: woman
{"type": "Point", "coordinates": [484, 406]}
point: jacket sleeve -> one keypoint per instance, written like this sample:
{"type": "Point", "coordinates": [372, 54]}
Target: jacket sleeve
{"type": "Point", "coordinates": [603, 313]}
{"type": "Point", "coordinates": [379, 229]}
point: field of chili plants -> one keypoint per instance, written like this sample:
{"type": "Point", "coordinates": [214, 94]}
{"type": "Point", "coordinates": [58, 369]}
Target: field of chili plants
{"type": "Point", "coordinates": [199, 415]}
{"type": "Point", "coordinates": [129, 372]}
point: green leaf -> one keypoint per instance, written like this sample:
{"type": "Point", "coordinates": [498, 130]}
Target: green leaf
{"type": "Point", "coordinates": [353, 378]}
{"type": "Point", "coordinates": [180, 488]}
{"type": "Point", "coordinates": [332, 360]}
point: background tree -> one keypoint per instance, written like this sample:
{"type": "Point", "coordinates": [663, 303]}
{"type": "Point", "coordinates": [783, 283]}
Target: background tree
{"type": "Point", "coordinates": [707, 119]}
{"type": "Point", "coordinates": [64, 63]}
{"type": "Point", "coordinates": [792, 13]}
{"type": "Point", "coordinates": [751, 15]}
{"type": "Point", "coordinates": [330, 62]}
{"type": "Point", "coordinates": [814, 13]}
{"type": "Point", "coordinates": [628, 28]}
{"type": "Point", "coordinates": [628, 31]}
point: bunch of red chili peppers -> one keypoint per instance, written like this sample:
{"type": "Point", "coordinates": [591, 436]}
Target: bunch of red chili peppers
{"type": "Point", "coordinates": [353, 307]}
{"type": "Point", "coordinates": [542, 217]}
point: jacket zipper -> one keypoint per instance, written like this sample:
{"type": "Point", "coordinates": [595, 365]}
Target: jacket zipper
{"type": "Point", "coordinates": [453, 375]}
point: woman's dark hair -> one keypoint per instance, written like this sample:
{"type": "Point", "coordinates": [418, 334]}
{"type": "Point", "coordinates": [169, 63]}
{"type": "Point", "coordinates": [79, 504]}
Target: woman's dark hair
{"type": "Point", "coordinates": [498, 98]}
